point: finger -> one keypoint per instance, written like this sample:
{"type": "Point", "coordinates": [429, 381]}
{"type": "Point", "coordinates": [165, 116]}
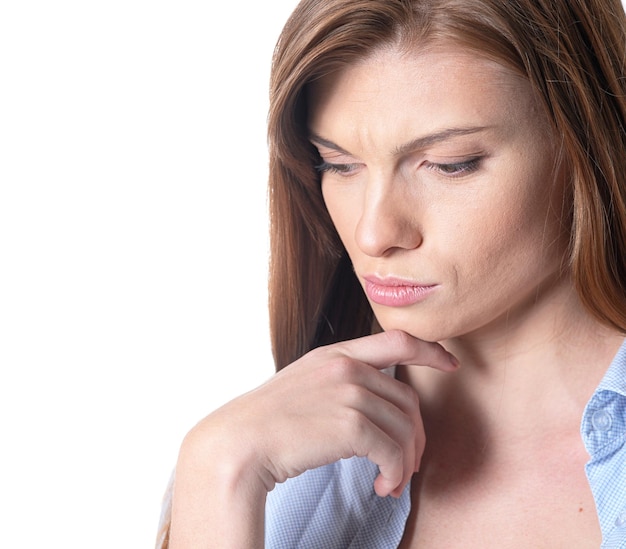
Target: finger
{"type": "Point", "coordinates": [401, 421]}
{"type": "Point", "coordinates": [407, 431]}
{"type": "Point", "coordinates": [395, 347]}
{"type": "Point", "coordinates": [372, 442]}
{"type": "Point", "coordinates": [394, 402]}
{"type": "Point", "coordinates": [403, 397]}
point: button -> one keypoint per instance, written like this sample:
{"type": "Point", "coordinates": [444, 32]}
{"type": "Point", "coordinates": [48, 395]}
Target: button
{"type": "Point", "coordinates": [620, 521]}
{"type": "Point", "coordinates": [601, 420]}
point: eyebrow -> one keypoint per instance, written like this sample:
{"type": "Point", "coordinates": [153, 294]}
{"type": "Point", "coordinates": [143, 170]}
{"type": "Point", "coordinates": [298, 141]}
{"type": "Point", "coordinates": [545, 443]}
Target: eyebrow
{"type": "Point", "coordinates": [318, 140]}
{"type": "Point", "coordinates": [413, 145]}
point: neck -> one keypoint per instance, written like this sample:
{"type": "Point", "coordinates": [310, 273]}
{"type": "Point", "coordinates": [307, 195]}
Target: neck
{"type": "Point", "coordinates": [554, 338]}
{"type": "Point", "coordinates": [542, 363]}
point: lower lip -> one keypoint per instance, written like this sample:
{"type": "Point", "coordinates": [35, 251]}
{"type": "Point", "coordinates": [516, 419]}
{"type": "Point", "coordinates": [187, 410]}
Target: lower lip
{"type": "Point", "coordinates": [397, 296]}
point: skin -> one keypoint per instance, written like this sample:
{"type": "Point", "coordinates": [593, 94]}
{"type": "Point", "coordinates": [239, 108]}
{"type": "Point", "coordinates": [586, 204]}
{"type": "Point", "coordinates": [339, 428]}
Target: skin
{"type": "Point", "coordinates": [476, 214]}
{"type": "Point", "coordinates": [233, 457]}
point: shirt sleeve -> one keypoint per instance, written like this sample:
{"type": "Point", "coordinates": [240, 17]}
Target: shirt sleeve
{"type": "Point", "coordinates": [334, 507]}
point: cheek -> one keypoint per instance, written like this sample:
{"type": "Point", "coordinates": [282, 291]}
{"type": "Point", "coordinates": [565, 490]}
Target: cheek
{"type": "Point", "coordinates": [513, 238]}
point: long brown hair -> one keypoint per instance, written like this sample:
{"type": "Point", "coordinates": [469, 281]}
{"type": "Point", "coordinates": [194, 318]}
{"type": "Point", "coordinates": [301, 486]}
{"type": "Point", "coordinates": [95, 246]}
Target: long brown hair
{"type": "Point", "coordinates": [573, 53]}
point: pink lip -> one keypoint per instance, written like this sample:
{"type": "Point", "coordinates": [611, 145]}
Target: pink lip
{"type": "Point", "coordinates": [395, 292]}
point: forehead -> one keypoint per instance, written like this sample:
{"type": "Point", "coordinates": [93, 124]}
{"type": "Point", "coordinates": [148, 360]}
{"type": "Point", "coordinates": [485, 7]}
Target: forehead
{"type": "Point", "coordinates": [444, 85]}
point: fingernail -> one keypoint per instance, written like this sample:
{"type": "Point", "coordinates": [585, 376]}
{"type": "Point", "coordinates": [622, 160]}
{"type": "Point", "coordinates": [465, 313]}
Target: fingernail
{"type": "Point", "coordinates": [455, 362]}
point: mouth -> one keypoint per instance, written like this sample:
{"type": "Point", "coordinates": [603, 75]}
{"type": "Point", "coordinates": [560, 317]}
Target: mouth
{"type": "Point", "coordinates": [396, 292]}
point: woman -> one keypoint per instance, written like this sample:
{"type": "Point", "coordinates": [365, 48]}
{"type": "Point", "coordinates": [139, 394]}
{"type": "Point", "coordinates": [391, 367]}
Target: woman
{"type": "Point", "coordinates": [447, 188]}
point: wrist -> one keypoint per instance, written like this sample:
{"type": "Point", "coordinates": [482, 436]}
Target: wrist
{"type": "Point", "coordinates": [219, 493]}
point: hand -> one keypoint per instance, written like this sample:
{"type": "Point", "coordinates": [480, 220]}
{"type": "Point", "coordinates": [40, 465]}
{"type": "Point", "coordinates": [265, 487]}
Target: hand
{"type": "Point", "coordinates": [333, 403]}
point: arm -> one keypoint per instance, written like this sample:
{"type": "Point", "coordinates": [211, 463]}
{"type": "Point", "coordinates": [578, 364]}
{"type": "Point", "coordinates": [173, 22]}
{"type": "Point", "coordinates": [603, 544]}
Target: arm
{"type": "Point", "coordinates": [218, 498]}
{"type": "Point", "coordinates": [333, 403]}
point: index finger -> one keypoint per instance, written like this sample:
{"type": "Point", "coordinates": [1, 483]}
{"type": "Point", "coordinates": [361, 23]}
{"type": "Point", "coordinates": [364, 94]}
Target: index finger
{"type": "Point", "coordinates": [396, 347]}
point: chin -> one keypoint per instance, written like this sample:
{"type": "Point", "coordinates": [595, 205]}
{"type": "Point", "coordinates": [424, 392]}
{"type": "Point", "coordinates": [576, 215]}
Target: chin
{"type": "Point", "coordinates": [428, 330]}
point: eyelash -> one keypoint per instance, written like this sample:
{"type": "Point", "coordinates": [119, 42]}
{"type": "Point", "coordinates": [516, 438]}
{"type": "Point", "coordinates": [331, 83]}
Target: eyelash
{"type": "Point", "coordinates": [341, 169]}
{"type": "Point", "coordinates": [453, 169]}
{"type": "Point", "coordinates": [456, 169]}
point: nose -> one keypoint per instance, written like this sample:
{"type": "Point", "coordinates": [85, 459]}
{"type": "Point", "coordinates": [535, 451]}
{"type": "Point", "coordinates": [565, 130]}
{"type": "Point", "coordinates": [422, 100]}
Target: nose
{"type": "Point", "coordinates": [389, 219]}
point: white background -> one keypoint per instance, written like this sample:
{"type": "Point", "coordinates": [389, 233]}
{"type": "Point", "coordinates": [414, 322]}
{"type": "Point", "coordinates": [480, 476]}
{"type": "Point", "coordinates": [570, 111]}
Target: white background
{"type": "Point", "coordinates": [133, 251]}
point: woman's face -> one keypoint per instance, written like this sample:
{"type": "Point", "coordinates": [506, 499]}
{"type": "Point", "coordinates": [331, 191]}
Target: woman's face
{"type": "Point", "coordinates": [438, 171]}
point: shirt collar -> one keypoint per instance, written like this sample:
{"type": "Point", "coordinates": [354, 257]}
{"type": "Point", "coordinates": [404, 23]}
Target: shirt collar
{"type": "Point", "coordinates": [603, 424]}
{"type": "Point", "coordinates": [614, 379]}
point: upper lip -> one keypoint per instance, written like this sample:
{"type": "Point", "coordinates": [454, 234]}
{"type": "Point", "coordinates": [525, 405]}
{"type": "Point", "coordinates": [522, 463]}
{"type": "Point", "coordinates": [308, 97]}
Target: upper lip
{"type": "Point", "coordinates": [394, 281]}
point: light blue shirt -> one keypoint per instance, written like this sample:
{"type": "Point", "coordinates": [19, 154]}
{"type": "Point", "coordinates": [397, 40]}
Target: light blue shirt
{"type": "Point", "coordinates": [603, 430]}
{"type": "Point", "coordinates": [335, 507]}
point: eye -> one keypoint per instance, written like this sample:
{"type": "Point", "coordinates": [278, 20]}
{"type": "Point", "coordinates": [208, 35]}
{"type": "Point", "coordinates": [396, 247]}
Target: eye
{"type": "Point", "coordinates": [456, 169]}
{"type": "Point", "coordinates": [341, 169]}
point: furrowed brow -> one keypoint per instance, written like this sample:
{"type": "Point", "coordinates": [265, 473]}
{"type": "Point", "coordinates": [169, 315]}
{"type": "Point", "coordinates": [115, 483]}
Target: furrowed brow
{"type": "Point", "coordinates": [434, 138]}
{"type": "Point", "coordinates": [317, 140]}
{"type": "Point", "coordinates": [413, 145]}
